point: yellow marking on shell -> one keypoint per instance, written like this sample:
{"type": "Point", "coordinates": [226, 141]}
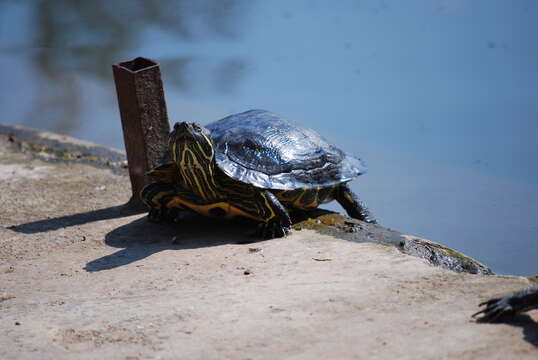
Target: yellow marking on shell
{"type": "Point", "coordinates": [230, 210]}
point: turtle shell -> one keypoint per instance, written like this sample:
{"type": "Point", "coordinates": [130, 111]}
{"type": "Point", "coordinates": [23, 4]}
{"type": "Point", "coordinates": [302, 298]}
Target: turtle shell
{"type": "Point", "coordinates": [263, 149]}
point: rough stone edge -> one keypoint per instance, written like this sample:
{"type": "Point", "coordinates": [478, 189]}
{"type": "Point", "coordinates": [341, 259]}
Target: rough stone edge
{"type": "Point", "coordinates": [53, 147]}
{"type": "Point", "coordinates": [59, 148]}
{"type": "Point", "coordinates": [344, 227]}
{"type": "Point", "coordinates": [442, 256]}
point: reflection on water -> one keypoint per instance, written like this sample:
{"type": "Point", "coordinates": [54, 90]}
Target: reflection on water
{"type": "Point", "coordinates": [71, 39]}
{"type": "Point", "coordinates": [438, 97]}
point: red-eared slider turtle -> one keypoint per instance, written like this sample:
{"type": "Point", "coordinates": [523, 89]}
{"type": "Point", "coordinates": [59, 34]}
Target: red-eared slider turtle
{"type": "Point", "coordinates": [253, 164]}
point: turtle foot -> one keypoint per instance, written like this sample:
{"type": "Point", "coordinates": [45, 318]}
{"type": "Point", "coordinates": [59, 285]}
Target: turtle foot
{"type": "Point", "coordinates": [272, 229]}
{"type": "Point", "coordinates": [502, 308]}
{"type": "Point", "coordinates": [496, 310]}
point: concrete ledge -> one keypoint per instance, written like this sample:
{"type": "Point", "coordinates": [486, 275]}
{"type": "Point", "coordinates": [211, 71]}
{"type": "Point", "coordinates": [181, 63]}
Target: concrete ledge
{"type": "Point", "coordinates": [80, 280]}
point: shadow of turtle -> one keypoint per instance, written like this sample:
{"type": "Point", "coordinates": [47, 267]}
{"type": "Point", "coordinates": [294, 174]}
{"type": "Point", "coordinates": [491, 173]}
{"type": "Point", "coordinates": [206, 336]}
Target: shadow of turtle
{"type": "Point", "coordinates": [39, 226]}
{"type": "Point", "coordinates": [526, 323]}
{"type": "Point", "coordinates": [142, 238]}
{"type": "Point", "coordinates": [530, 330]}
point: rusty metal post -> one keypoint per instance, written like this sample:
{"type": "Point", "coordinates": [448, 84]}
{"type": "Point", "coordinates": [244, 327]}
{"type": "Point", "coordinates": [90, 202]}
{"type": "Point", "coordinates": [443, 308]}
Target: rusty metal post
{"type": "Point", "coordinates": [144, 119]}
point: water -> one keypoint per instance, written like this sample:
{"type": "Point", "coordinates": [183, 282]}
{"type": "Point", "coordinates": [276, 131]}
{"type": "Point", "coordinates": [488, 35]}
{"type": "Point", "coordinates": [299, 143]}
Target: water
{"type": "Point", "coordinates": [439, 97]}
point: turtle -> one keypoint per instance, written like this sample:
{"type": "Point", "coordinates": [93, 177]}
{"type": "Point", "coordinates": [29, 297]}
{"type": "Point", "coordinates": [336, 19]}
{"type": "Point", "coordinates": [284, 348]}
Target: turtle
{"type": "Point", "coordinates": [254, 164]}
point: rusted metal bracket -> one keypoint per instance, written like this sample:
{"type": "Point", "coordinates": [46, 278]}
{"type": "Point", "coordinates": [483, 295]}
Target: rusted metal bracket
{"type": "Point", "coordinates": [144, 120]}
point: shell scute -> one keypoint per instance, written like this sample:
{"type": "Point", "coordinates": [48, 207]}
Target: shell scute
{"type": "Point", "coordinates": [263, 149]}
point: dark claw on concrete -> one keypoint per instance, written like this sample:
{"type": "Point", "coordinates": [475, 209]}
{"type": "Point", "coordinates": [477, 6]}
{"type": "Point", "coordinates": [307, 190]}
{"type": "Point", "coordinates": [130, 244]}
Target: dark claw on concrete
{"type": "Point", "coordinates": [271, 229]}
{"type": "Point", "coordinates": [495, 309]}
{"type": "Point", "coordinates": [498, 309]}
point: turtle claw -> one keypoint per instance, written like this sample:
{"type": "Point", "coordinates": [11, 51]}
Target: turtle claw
{"type": "Point", "coordinates": [495, 310]}
{"type": "Point", "coordinates": [506, 307]}
{"type": "Point", "coordinates": [271, 229]}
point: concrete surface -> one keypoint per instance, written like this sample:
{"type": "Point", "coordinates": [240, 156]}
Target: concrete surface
{"type": "Point", "coordinates": [80, 281]}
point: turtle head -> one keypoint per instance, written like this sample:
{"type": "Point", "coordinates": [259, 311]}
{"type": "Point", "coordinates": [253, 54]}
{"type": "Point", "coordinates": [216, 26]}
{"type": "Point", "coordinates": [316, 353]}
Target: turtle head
{"type": "Point", "coordinates": [191, 145]}
{"type": "Point", "coordinates": [192, 150]}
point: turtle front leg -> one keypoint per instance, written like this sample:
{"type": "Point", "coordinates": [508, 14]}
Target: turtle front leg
{"type": "Point", "coordinates": [263, 206]}
{"type": "Point", "coordinates": [157, 196]}
{"type": "Point", "coordinates": [277, 222]}
{"type": "Point", "coordinates": [351, 203]}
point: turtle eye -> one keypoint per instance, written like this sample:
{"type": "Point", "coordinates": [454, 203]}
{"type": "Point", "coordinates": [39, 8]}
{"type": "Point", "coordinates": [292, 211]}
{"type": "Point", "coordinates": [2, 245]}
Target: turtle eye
{"type": "Point", "coordinates": [196, 127]}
